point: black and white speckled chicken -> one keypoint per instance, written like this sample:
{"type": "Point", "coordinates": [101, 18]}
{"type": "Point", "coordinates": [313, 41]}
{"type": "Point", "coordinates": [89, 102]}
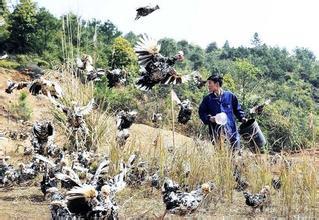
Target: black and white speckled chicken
{"type": "Point", "coordinates": [182, 203]}
{"type": "Point", "coordinates": [106, 208]}
{"type": "Point", "coordinates": [125, 119]}
{"type": "Point", "coordinates": [75, 118]}
{"type": "Point", "coordinates": [259, 200]}
{"type": "Point", "coordinates": [42, 137]}
{"type": "Point", "coordinates": [4, 55]}
{"type": "Point", "coordinates": [185, 112]}
{"type": "Point", "coordinates": [155, 68]}
{"type": "Point", "coordinates": [276, 183]}
{"type": "Point", "coordinates": [48, 181]}
{"type": "Point", "coordinates": [58, 204]}
{"type": "Point", "coordinates": [86, 70]}
{"type": "Point", "coordinates": [157, 117]}
{"type": "Point", "coordinates": [37, 86]}
{"type": "Point", "coordinates": [25, 173]}
{"type": "Point", "coordinates": [122, 136]}
{"type": "Point", "coordinates": [10, 176]}
{"type": "Point", "coordinates": [155, 180]}
{"type": "Point", "coordinates": [258, 109]}
{"type": "Point", "coordinates": [137, 173]}
{"type": "Point", "coordinates": [241, 183]}
{"type": "Point", "coordinates": [144, 11]}
{"type": "Point", "coordinates": [95, 75]}
{"type": "Point", "coordinates": [116, 77]}
{"type": "Point", "coordinates": [198, 79]}
{"type": "Point", "coordinates": [81, 200]}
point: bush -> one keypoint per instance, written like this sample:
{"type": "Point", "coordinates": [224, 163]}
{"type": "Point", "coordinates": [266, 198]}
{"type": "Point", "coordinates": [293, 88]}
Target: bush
{"type": "Point", "coordinates": [286, 127]}
{"type": "Point", "coordinates": [21, 109]}
{"type": "Point", "coordinates": [9, 64]}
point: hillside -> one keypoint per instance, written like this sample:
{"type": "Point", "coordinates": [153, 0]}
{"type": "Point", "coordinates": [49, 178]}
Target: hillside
{"type": "Point", "coordinates": [20, 202]}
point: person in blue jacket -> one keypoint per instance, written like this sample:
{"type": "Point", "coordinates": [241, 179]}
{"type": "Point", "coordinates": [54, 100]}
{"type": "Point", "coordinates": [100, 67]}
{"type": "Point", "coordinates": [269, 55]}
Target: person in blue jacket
{"type": "Point", "coordinates": [217, 101]}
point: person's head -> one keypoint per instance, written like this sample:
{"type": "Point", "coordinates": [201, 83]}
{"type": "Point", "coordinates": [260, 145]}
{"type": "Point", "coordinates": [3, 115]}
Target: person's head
{"type": "Point", "coordinates": [215, 82]}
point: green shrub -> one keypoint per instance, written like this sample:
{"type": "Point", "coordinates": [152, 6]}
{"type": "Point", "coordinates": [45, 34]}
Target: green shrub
{"type": "Point", "coordinates": [21, 109]}
{"type": "Point", "coordinates": [9, 64]}
{"type": "Point", "coordinates": [286, 126]}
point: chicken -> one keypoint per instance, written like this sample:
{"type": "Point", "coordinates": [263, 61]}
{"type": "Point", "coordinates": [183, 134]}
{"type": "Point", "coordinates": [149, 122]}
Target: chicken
{"type": "Point", "coordinates": [33, 70]}
{"type": "Point", "coordinates": [276, 183]}
{"type": "Point", "coordinates": [155, 68]}
{"type": "Point", "coordinates": [75, 116]}
{"type": "Point", "coordinates": [185, 112]}
{"type": "Point", "coordinates": [5, 55]}
{"type": "Point", "coordinates": [242, 184]}
{"type": "Point", "coordinates": [182, 203]}
{"type": "Point", "coordinates": [37, 86]}
{"type": "Point", "coordinates": [259, 200]}
{"type": "Point", "coordinates": [81, 200]}
{"type": "Point", "coordinates": [258, 109]}
{"type": "Point", "coordinates": [42, 137]}
{"type": "Point", "coordinates": [116, 77]}
{"type": "Point", "coordinates": [125, 119]}
{"type": "Point", "coordinates": [199, 82]}
{"type": "Point", "coordinates": [86, 71]}
{"type": "Point", "coordinates": [144, 11]}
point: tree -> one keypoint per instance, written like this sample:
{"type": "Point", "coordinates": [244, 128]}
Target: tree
{"type": "Point", "coordinates": [246, 78]}
{"type": "Point", "coordinates": [131, 37]}
{"type": "Point", "coordinates": [47, 28]}
{"type": "Point", "coordinates": [168, 47]}
{"type": "Point", "coordinates": [197, 57]}
{"type": "Point", "coordinates": [3, 8]}
{"type": "Point", "coordinates": [226, 52]}
{"type": "Point", "coordinates": [211, 47]}
{"type": "Point", "coordinates": [4, 33]}
{"type": "Point", "coordinates": [256, 42]}
{"type": "Point", "coordinates": [123, 55]}
{"type": "Point", "coordinates": [22, 27]}
{"type": "Point", "coordinates": [109, 32]}
{"type": "Point", "coordinates": [306, 60]}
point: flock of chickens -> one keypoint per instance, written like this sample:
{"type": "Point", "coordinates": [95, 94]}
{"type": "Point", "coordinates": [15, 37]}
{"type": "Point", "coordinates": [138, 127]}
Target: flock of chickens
{"type": "Point", "coordinates": [85, 189]}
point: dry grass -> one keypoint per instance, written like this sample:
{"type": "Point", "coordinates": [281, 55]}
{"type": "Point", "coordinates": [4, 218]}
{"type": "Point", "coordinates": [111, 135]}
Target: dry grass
{"type": "Point", "coordinates": [299, 174]}
{"type": "Point", "coordinates": [299, 179]}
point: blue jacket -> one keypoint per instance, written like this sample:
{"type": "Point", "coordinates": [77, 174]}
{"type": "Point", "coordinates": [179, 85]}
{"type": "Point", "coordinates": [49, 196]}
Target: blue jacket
{"type": "Point", "coordinates": [228, 103]}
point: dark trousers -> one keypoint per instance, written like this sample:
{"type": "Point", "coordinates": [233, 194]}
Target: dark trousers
{"type": "Point", "coordinates": [218, 135]}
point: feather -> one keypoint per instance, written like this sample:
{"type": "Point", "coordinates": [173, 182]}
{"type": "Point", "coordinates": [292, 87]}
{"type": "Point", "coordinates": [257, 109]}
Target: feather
{"type": "Point", "coordinates": [88, 108]}
{"type": "Point", "coordinates": [44, 159]}
{"type": "Point", "coordinates": [67, 178]}
{"type": "Point", "coordinates": [79, 63]}
{"type": "Point", "coordinates": [105, 163]}
{"type": "Point", "coordinates": [175, 97]}
{"type": "Point", "coordinates": [84, 191]}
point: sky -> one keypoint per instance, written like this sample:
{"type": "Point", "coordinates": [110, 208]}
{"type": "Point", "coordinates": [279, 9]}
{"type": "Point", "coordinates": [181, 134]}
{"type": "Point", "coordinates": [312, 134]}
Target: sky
{"type": "Point", "coordinates": [284, 23]}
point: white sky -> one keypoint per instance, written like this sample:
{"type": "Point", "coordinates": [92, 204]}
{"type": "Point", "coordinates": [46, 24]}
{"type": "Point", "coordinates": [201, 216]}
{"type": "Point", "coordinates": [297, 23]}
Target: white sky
{"type": "Point", "coordinates": [284, 23]}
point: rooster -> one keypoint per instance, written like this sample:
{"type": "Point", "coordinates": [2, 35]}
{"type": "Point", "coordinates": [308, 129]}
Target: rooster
{"type": "Point", "coordinates": [81, 200]}
{"type": "Point", "coordinates": [155, 68]}
{"type": "Point", "coordinates": [144, 11]}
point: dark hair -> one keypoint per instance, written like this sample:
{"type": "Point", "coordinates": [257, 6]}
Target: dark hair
{"type": "Point", "coordinates": [216, 78]}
